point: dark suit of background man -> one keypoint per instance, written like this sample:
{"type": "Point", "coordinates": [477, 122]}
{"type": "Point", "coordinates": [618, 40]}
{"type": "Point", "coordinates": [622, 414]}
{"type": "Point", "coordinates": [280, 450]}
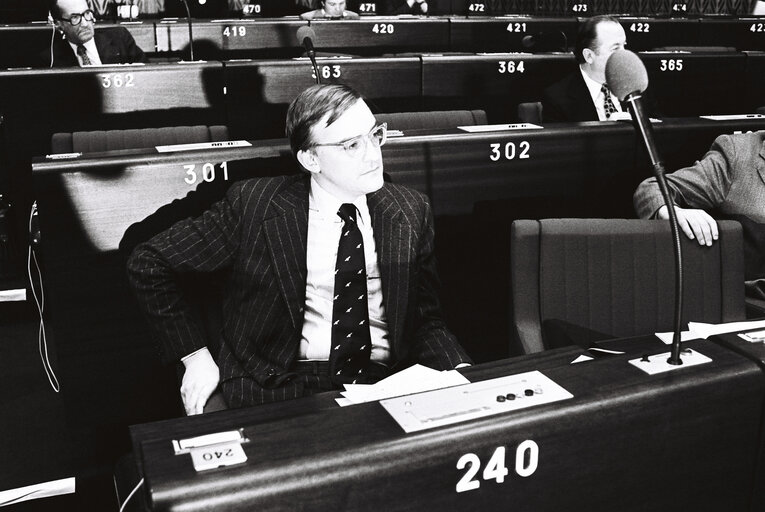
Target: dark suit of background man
{"type": "Point", "coordinates": [406, 7]}
{"type": "Point", "coordinates": [79, 44]}
{"type": "Point", "coordinates": [579, 96]}
{"type": "Point", "coordinates": [277, 241]}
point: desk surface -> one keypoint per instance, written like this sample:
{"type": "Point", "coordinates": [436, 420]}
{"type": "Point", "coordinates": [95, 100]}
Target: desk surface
{"type": "Point", "coordinates": [622, 428]}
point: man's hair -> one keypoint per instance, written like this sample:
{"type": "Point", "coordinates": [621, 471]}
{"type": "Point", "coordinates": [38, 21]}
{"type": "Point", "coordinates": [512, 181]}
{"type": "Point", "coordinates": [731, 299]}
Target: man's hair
{"type": "Point", "coordinates": [55, 12]}
{"type": "Point", "coordinates": [311, 106]}
{"type": "Point", "coordinates": [588, 33]}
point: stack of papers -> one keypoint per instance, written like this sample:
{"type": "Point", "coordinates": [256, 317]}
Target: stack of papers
{"type": "Point", "coordinates": [414, 379]}
{"type": "Point", "coordinates": [699, 330]}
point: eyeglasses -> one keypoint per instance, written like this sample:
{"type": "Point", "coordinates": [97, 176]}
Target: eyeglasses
{"type": "Point", "coordinates": [353, 147]}
{"type": "Point", "coordinates": [76, 18]}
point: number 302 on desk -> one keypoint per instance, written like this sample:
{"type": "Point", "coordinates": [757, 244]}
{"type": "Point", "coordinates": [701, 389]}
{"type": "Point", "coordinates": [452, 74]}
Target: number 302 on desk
{"type": "Point", "coordinates": [526, 463]}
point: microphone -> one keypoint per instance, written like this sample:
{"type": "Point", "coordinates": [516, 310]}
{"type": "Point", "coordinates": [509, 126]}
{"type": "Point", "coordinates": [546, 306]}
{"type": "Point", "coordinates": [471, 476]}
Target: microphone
{"type": "Point", "coordinates": [191, 37]}
{"type": "Point", "coordinates": [305, 36]}
{"type": "Point", "coordinates": [627, 78]}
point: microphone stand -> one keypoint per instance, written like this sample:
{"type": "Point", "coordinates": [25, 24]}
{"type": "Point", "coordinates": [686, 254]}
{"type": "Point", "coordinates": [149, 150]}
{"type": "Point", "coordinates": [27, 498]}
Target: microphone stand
{"type": "Point", "coordinates": [191, 37]}
{"type": "Point", "coordinates": [644, 125]}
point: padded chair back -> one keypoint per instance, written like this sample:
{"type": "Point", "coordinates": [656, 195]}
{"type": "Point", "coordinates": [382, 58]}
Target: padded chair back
{"type": "Point", "coordinates": [530, 112]}
{"type": "Point", "coordinates": [432, 120]}
{"type": "Point", "coordinates": [616, 276]}
{"type": "Point", "coordinates": [111, 140]}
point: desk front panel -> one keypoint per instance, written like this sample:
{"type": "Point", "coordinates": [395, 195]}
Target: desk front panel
{"type": "Point", "coordinates": [687, 84]}
{"type": "Point", "coordinates": [231, 35]}
{"type": "Point", "coordinates": [626, 441]}
{"type": "Point", "coordinates": [740, 33]}
{"type": "Point", "coordinates": [644, 33]}
{"type": "Point", "coordinates": [258, 92]}
{"type": "Point", "coordinates": [389, 33]}
{"type": "Point", "coordinates": [512, 34]}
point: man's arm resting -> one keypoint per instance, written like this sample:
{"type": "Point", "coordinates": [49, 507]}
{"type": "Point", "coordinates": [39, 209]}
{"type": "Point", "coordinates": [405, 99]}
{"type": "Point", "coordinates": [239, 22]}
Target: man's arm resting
{"type": "Point", "coordinates": [696, 224]}
{"type": "Point", "coordinates": [199, 380]}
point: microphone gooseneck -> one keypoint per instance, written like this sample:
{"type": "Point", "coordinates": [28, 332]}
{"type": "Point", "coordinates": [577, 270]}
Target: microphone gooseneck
{"type": "Point", "coordinates": [627, 78]}
{"type": "Point", "coordinates": [191, 37]}
{"type": "Point", "coordinates": [305, 37]}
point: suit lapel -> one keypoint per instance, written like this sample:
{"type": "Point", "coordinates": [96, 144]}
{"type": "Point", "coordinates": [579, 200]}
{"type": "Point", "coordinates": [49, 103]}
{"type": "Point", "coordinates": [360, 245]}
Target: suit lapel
{"type": "Point", "coordinates": [393, 240]}
{"type": "Point", "coordinates": [761, 162]}
{"type": "Point", "coordinates": [287, 234]}
{"type": "Point", "coordinates": [580, 96]}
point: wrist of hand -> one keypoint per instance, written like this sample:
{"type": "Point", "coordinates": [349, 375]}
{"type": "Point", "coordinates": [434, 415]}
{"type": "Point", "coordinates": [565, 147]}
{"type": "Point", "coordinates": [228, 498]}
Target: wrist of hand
{"type": "Point", "coordinates": [200, 356]}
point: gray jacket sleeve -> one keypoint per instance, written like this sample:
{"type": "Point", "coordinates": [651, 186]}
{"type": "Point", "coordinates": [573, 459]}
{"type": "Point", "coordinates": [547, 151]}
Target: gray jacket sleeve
{"type": "Point", "coordinates": [704, 185]}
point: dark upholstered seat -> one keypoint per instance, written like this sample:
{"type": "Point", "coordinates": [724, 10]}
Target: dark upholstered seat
{"type": "Point", "coordinates": [616, 276]}
{"type": "Point", "coordinates": [530, 112]}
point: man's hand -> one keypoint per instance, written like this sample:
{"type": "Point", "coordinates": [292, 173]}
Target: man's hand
{"type": "Point", "coordinates": [199, 381]}
{"type": "Point", "coordinates": [696, 224]}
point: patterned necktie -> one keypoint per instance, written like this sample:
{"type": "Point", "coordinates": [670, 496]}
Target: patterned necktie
{"type": "Point", "coordinates": [83, 54]}
{"type": "Point", "coordinates": [608, 105]}
{"type": "Point", "coordinates": [351, 342]}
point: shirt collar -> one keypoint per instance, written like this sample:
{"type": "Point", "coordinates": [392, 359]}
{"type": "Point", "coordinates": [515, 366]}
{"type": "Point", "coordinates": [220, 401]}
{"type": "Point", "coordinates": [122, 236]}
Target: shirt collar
{"type": "Point", "coordinates": [326, 205]}
{"type": "Point", "coordinates": [592, 85]}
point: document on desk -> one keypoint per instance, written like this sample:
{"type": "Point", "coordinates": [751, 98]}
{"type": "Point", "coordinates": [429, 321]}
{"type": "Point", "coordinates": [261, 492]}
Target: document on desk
{"type": "Point", "coordinates": [700, 330]}
{"type": "Point", "coordinates": [414, 379]}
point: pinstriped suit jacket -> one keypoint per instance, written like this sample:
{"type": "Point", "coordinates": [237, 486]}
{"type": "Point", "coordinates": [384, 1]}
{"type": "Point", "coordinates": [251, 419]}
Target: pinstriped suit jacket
{"type": "Point", "coordinates": [258, 233]}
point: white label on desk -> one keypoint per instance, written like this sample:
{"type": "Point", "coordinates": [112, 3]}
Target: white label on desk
{"type": "Point", "coordinates": [658, 363]}
{"type": "Point", "coordinates": [499, 127]}
{"type": "Point", "coordinates": [217, 455]}
{"type": "Point", "coordinates": [63, 156]}
{"type": "Point", "coordinates": [733, 117]}
{"type": "Point", "coordinates": [447, 406]}
{"type": "Point", "coordinates": [203, 145]}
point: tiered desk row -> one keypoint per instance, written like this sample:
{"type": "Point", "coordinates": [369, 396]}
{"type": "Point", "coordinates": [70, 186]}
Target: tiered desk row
{"type": "Point", "coordinates": [218, 38]}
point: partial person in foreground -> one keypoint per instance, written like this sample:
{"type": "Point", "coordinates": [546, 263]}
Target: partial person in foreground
{"type": "Point", "coordinates": [330, 9]}
{"type": "Point", "coordinates": [78, 43]}
{"type": "Point", "coordinates": [330, 276]}
{"type": "Point", "coordinates": [729, 179]}
{"type": "Point", "coordinates": [729, 182]}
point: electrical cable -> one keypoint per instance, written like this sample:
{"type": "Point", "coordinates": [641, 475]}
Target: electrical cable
{"type": "Point", "coordinates": [42, 341]}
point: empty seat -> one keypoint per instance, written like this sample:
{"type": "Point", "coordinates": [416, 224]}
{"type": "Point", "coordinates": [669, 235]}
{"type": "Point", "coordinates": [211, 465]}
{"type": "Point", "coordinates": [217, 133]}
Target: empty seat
{"type": "Point", "coordinates": [615, 276]}
{"type": "Point", "coordinates": [530, 112]}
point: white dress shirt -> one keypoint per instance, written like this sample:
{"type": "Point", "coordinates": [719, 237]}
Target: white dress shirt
{"type": "Point", "coordinates": [597, 96]}
{"type": "Point", "coordinates": [90, 47]}
{"type": "Point", "coordinates": [324, 228]}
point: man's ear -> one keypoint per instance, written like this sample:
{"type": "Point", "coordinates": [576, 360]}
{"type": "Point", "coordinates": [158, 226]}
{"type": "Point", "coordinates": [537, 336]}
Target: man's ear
{"type": "Point", "coordinates": [588, 55]}
{"type": "Point", "coordinates": [308, 159]}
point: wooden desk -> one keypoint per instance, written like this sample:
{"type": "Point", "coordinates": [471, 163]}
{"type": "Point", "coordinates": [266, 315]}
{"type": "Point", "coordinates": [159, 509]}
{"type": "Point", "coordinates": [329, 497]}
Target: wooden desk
{"type": "Point", "coordinates": [625, 441]}
{"type": "Point", "coordinates": [512, 34]}
{"type": "Point", "coordinates": [386, 34]}
{"type": "Point", "coordinates": [697, 83]}
{"type": "Point", "coordinates": [259, 91]}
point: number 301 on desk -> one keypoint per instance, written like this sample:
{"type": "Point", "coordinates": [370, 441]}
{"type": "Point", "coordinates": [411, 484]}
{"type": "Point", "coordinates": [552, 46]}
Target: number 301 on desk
{"type": "Point", "coordinates": [526, 463]}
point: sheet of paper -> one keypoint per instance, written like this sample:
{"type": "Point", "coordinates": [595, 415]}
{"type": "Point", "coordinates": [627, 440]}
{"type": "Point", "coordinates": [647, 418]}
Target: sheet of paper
{"type": "Point", "coordinates": [733, 117]}
{"type": "Point", "coordinates": [42, 490]}
{"type": "Point", "coordinates": [701, 330]}
{"type": "Point", "coordinates": [706, 330]}
{"type": "Point", "coordinates": [582, 359]}
{"type": "Point", "coordinates": [666, 337]}
{"type": "Point", "coordinates": [498, 127]}
{"type": "Point", "coordinates": [414, 379]}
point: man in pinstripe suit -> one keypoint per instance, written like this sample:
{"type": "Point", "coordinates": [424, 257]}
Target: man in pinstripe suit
{"type": "Point", "coordinates": [277, 240]}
